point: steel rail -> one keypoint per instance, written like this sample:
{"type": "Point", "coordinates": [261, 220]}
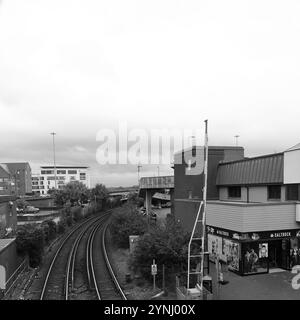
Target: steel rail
{"type": "Point", "coordinates": [54, 259]}
{"type": "Point", "coordinates": [108, 264]}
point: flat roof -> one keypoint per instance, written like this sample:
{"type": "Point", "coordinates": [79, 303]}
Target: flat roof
{"type": "Point", "coordinates": [210, 148]}
{"type": "Point", "coordinates": [64, 167]}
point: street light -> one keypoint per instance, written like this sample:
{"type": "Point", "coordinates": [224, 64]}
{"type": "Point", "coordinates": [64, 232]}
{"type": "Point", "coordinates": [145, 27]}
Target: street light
{"type": "Point", "coordinates": [53, 135]}
{"type": "Point", "coordinates": [139, 167]}
{"type": "Point", "coordinates": [237, 139]}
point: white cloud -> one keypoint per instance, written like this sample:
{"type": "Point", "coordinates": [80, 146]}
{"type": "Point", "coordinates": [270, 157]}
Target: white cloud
{"type": "Point", "coordinates": [75, 67]}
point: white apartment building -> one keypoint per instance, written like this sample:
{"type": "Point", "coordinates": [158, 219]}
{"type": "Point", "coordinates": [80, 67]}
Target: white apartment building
{"type": "Point", "coordinates": [44, 180]}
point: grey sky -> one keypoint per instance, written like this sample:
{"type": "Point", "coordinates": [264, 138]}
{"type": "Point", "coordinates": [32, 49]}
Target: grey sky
{"type": "Point", "coordinates": [75, 67]}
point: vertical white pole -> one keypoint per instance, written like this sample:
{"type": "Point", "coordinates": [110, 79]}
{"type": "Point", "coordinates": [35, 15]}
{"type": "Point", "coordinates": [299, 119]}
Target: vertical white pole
{"type": "Point", "coordinates": [204, 202]}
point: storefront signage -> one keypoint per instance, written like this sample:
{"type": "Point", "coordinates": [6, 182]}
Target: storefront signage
{"type": "Point", "coordinates": [254, 236]}
{"type": "Point", "coordinates": [223, 233]}
{"type": "Point", "coordinates": [280, 234]}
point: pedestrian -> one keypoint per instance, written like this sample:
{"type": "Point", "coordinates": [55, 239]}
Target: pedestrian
{"type": "Point", "coordinates": [294, 256]}
{"type": "Point", "coordinates": [247, 262]}
{"type": "Point", "coordinates": [253, 258]}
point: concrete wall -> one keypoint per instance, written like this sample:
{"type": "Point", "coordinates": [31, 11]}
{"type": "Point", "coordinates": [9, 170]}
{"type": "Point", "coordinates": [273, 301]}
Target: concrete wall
{"type": "Point", "coordinates": [291, 168]}
{"type": "Point", "coordinates": [9, 259]}
{"type": "Point", "coordinates": [41, 202]}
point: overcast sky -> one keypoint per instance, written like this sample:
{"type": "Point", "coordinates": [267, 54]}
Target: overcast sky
{"type": "Point", "coordinates": [75, 67]}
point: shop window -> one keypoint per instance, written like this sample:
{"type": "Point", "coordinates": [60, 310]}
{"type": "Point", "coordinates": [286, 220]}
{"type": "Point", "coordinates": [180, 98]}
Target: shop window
{"type": "Point", "coordinates": [226, 250]}
{"type": "Point", "coordinates": [255, 258]}
{"type": "Point", "coordinates": [274, 192]}
{"type": "Point", "coordinates": [292, 192]}
{"type": "Point", "coordinates": [234, 192]}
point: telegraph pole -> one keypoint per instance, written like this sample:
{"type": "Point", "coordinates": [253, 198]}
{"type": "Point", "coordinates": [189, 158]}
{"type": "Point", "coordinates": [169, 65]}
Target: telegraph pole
{"type": "Point", "coordinates": [53, 135]}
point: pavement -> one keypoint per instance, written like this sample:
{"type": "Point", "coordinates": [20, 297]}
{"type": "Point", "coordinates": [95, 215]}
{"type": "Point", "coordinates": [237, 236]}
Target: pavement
{"type": "Point", "coordinates": [275, 286]}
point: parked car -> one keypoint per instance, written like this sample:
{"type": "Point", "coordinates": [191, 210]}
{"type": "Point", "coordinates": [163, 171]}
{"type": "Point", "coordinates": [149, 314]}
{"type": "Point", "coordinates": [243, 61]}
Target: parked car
{"type": "Point", "coordinates": [31, 209]}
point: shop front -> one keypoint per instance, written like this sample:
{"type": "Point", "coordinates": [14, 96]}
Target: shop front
{"type": "Point", "coordinates": [255, 252]}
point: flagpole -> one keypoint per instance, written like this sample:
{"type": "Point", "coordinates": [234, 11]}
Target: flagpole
{"type": "Point", "coordinates": [204, 203]}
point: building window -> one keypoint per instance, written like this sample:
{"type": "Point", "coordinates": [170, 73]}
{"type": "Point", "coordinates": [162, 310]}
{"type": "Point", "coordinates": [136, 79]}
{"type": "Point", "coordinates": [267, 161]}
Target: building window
{"type": "Point", "coordinates": [61, 171]}
{"type": "Point", "coordinates": [274, 192]}
{"type": "Point", "coordinates": [82, 176]}
{"type": "Point", "coordinates": [72, 178]}
{"type": "Point", "coordinates": [47, 172]}
{"type": "Point", "coordinates": [292, 192]}
{"type": "Point", "coordinates": [72, 171]}
{"type": "Point", "coordinates": [234, 192]}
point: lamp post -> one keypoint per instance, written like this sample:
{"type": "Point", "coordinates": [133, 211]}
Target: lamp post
{"type": "Point", "coordinates": [53, 135]}
{"type": "Point", "coordinates": [236, 139]}
{"type": "Point", "coordinates": [139, 169]}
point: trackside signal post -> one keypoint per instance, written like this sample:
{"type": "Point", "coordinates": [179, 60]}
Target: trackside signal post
{"type": "Point", "coordinates": [154, 273]}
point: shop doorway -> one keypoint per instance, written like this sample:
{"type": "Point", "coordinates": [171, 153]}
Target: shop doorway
{"type": "Point", "coordinates": [278, 254]}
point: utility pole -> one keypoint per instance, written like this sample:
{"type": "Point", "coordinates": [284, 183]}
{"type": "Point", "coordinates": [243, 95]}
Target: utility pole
{"type": "Point", "coordinates": [53, 135]}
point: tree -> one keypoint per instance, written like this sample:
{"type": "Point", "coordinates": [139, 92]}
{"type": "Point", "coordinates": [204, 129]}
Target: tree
{"type": "Point", "coordinates": [167, 244]}
{"type": "Point", "coordinates": [30, 240]}
{"type": "Point", "coordinates": [99, 194]}
{"type": "Point", "coordinates": [22, 204]}
{"type": "Point", "coordinates": [72, 192]}
{"type": "Point", "coordinates": [135, 199]}
{"type": "Point", "coordinates": [126, 221]}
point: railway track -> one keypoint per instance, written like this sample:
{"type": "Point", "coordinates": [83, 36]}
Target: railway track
{"type": "Point", "coordinates": [104, 280]}
{"type": "Point", "coordinates": [80, 268]}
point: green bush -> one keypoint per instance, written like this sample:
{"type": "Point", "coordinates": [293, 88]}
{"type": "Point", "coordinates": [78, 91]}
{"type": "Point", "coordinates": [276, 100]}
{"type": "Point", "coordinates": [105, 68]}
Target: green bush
{"type": "Point", "coordinates": [52, 230]}
{"type": "Point", "coordinates": [166, 244]}
{"type": "Point", "coordinates": [77, 214]}
{"type": "Point", "coordinates": [61, 226]}
{"type": "Point", "coordinates": [126, 221]}
{"type": "Point", "coordinates": [30, 241]}
{"type": "Point", "coordinates": [69, 221]}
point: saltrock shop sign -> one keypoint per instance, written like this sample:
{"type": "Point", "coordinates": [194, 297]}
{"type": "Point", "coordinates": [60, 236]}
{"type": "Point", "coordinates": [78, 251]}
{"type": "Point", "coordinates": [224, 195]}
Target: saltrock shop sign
{"type": "Point", "coordinates": [253, 236]}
